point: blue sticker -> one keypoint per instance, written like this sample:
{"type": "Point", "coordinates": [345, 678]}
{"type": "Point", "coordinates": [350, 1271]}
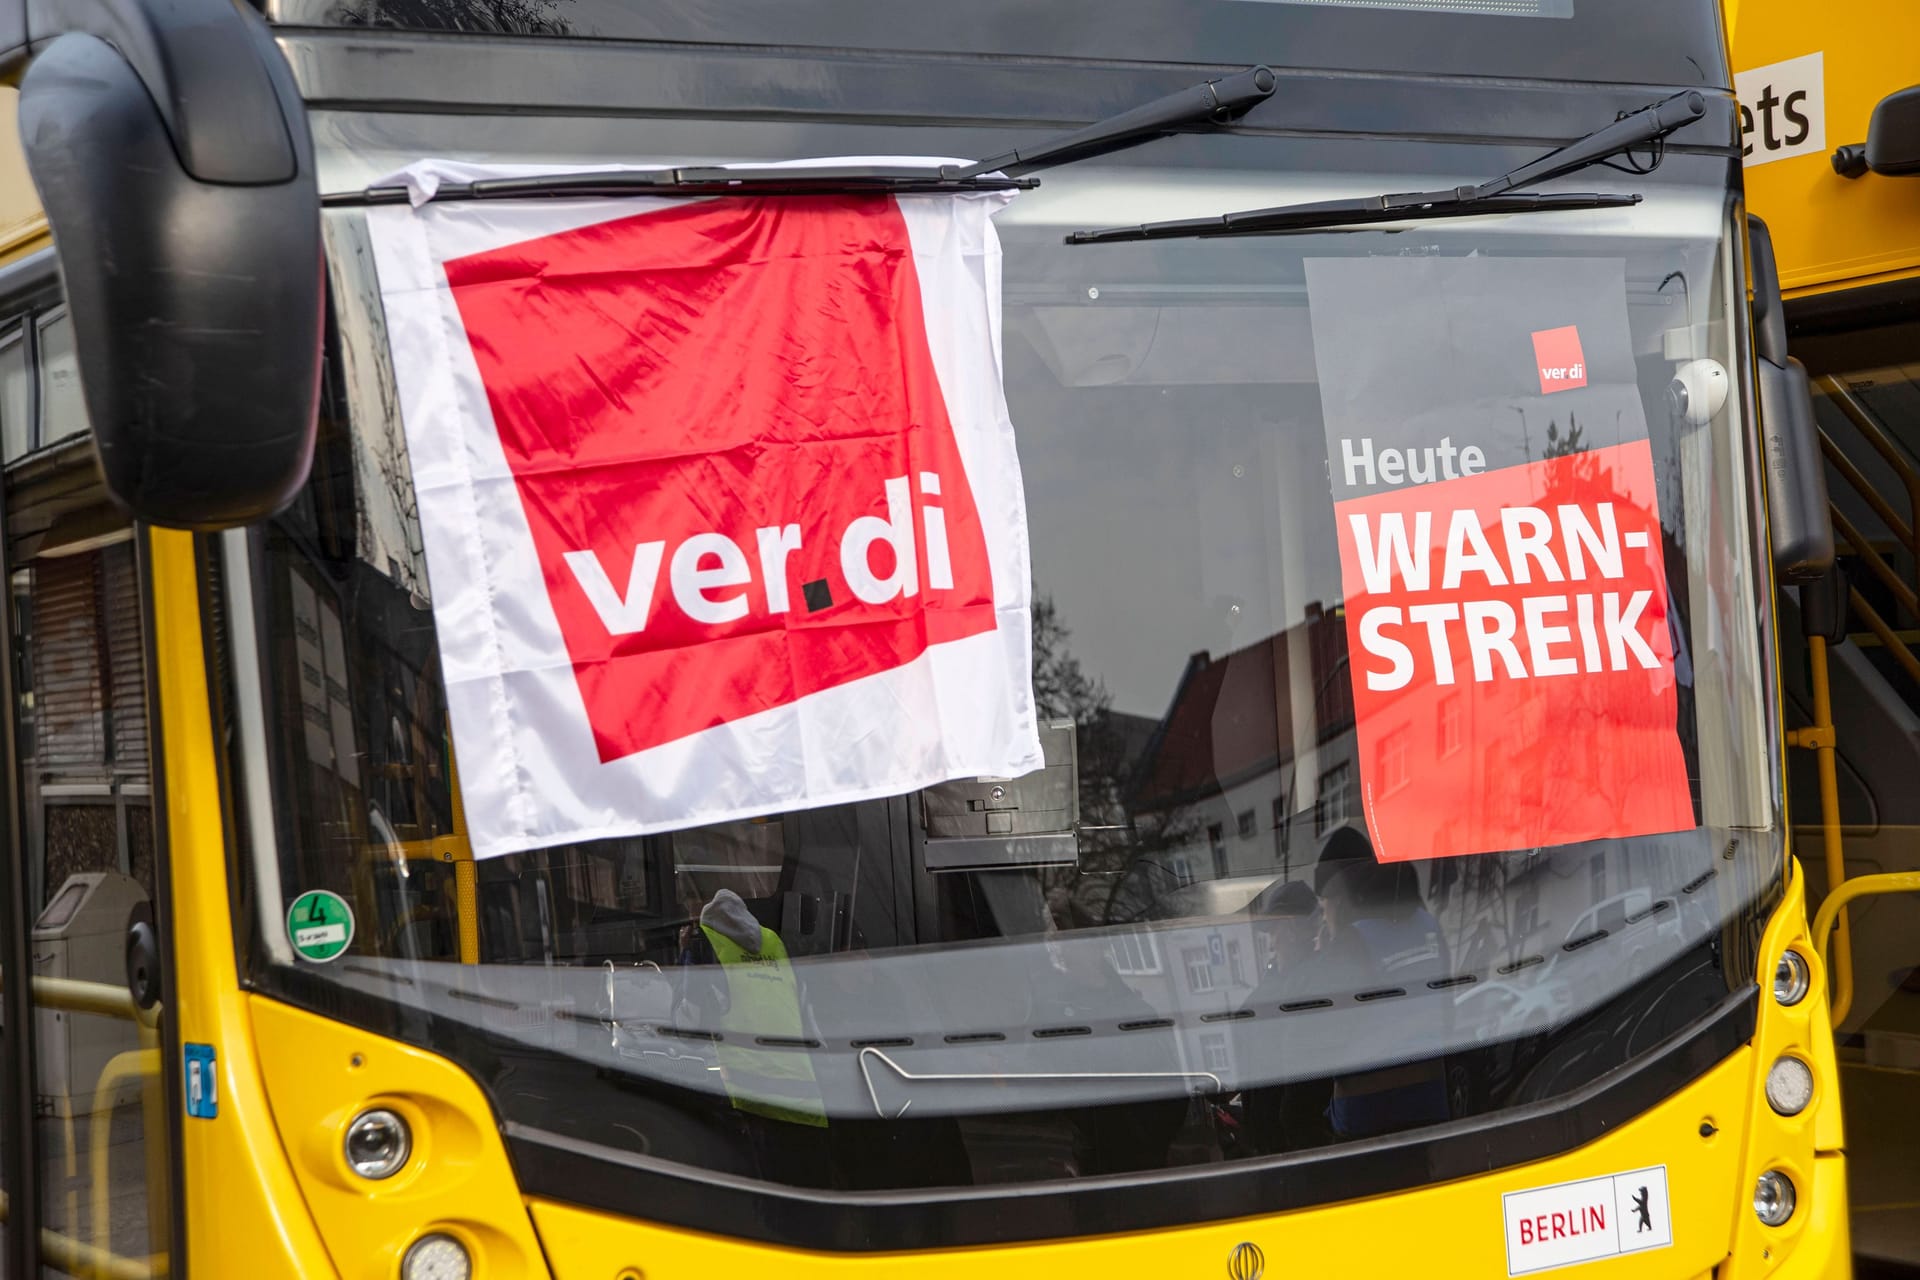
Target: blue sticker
{"type": "Point", "coordinates": [203, 1096]}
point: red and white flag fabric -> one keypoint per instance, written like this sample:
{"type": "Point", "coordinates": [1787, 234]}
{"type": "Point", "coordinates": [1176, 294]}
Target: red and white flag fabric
{"type": "Point", "coordinates": [722, 510]}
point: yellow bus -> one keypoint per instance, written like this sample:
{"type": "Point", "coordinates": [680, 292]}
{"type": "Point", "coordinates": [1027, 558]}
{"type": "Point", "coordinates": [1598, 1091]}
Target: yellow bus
{"type": "Point", "coordinates": [1846, 227]}
{"type": "Point", "coordinates": [1426, 904]}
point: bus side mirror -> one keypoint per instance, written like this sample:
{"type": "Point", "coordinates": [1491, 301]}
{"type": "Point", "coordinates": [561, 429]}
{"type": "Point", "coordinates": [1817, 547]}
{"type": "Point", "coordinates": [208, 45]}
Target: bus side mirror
{"type": "Point", "coordinates": [1892, 149]}
{"type": "Point", "coordinates": [171, 153]}
{"type": "Point", "coordinates": [1797, 512]}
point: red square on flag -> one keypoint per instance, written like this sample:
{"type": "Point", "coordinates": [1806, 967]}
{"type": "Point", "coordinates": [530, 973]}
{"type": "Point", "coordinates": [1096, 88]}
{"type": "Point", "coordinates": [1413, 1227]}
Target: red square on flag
{"type": "Point", "coordinates": [1557, 355]}
{"type": "Point", "coordinates": [721, 500]}
{"type": "Point", "coordinates": [733, 454]}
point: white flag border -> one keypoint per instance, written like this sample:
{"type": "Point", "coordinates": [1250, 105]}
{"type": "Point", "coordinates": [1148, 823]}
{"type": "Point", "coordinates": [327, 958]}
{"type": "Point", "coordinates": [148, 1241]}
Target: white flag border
{"type": "Point", "coordinates": [521, 735]}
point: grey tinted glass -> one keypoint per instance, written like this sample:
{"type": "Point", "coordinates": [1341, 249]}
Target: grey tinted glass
{"type": "Point", "coordinates": [63, 412]}
{"type": "Point", "coordinates": [1200, 957]}
{"type": "Point", "coordinates": [16, 399]}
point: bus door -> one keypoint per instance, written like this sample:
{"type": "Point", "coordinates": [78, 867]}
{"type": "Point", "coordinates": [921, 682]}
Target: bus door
{"type": "Point", "coordinates": [1867, 401]}
{"type": "Point", "coordinates": [87, 1125]}
{"type": "Point", "coordinates": [1848, 244]}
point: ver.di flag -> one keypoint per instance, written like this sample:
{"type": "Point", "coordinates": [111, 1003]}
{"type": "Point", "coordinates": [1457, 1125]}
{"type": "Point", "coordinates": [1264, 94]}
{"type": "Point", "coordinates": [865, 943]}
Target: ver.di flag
{"type": "Point", "coordinates": [720, 499]}
{"type": "Point", "coordinates": [1508, 617]}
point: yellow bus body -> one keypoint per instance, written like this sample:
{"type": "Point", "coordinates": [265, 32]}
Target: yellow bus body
{"type": "Point", "coordinates": [268, 1192]}
{"type": "Point", "coordinates": [1829, 233]}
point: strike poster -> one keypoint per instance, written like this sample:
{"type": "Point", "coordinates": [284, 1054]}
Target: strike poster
{"type": "Point", "coordinates": [1506, 607]}
{"type": "Point", "coordinates": [722, 509]}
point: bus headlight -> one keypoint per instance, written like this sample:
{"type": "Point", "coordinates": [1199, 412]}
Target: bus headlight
{"type": "Point", "coordinates": [1789, 1085]}
{"type": "Point", "coordinates": [441, 1257]}
{"type": "Point", "coordinates": [378, 1144]}
{"type": "Point", "coordinates": [1773, 1198]}
{"type": "Point", "coordinates": [1792, 978]}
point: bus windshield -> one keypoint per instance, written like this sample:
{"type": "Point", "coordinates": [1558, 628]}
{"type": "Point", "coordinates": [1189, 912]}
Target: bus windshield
{"type": "Point", "coordinates": [1215, 928]}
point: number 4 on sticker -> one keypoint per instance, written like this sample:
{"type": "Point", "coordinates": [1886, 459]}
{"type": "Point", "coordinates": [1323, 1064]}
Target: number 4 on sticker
{"type": "Point", "coordinates": [320, 926]}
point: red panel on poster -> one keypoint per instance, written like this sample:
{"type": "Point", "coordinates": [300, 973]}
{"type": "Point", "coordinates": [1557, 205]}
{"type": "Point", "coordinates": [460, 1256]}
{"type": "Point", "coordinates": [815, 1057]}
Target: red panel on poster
{"type": "Point", "coordinates": [1513, 678]}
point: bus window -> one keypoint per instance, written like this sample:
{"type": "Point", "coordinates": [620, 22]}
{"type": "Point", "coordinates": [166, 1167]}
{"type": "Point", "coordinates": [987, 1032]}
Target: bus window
{"type": "Point", "coordinates": [62, 413]}
{"type": "Point", "coordinates": [16, 404]}
{"type": "Point", "coordinates": [89, 871]}
{"type": "Point", "coordinates": [1046, 1021]}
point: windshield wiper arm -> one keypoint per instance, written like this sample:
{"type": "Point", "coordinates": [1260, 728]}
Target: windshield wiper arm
{"type": "Point", "coordinates": [1210, 102]}
{"type": "Point", "coordinates": [694, 180]}
{"type": "Point", "coordinates": [1327, 215]}
{"type": "Point", "coordinates": [1498, 195]}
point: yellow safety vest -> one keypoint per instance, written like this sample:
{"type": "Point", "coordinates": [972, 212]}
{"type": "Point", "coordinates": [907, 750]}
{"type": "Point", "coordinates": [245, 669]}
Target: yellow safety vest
{"type": "Point", "coordinates": [763, 1001]}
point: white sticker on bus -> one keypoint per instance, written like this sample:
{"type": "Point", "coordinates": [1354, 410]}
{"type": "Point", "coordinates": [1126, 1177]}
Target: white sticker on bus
{"type": "Point", "coordinates": [1573, 1222]}
{"type": "Point", "coordinates": [319, 935]}
{"type": "Point", "coordinates": [1783, 109]}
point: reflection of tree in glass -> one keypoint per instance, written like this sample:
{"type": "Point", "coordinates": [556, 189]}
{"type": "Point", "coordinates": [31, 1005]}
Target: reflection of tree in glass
{"type": "Point", "coordinates": [1559, 446]}
{"type": "Point", "coordinates": [506, 17]}
{"type": "Point", "coordinates": [1585, 471]}
{"type": "Point", "coordinates": [1062, 690]}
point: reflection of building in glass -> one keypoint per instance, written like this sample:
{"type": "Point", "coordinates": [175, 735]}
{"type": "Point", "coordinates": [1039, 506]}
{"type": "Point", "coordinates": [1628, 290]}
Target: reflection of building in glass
{"type": "Point", "coordinates": [1269, 730]}
{"type": "Point", "coordinates": [1241, 727]}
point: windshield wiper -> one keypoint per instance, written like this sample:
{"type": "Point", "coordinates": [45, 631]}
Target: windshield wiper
{"type": "Point", "coordinates": [1210, 102]}
{"type": "Point", "coordinates": [1650, 124]}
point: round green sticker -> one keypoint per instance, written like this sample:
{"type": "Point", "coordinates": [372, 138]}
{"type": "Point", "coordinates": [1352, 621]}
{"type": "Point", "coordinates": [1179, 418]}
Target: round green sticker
{"type": "Point", "coordinates": [320, 925]}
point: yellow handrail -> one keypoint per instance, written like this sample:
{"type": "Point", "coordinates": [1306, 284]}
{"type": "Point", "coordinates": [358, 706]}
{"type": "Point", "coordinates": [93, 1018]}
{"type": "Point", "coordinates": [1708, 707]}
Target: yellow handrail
{"type": "Point", "coordinates": [1831, 918]}
{"type": "Point", "coordinates": [78, 1258]}
{"type": "Point", "coordinates": [466, 873]}
{"type": "Point", "coordinates": [1869, 426]}
{"type": "Point", "coordinates": [106, 1000]}
{"type": "Point", "coordinates": [1821, 740]}
{"type": "Point", "coordinates": [466, 899]}
{"type": "Point", "coordinates": [1859, 887]}
{"type": "Point", "coordinates": [103, 998]}
{"type": "Point", "coordinates": [133, 1064]}
{"type": "Point", "coordinates": [1896, 648]}
{"type": "Point", "coordinates": [1864, 487]}
{"type": "Point", "coordinates": [1903, 592]}
{"type": "Point", "coordinates": [1884, 444]}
